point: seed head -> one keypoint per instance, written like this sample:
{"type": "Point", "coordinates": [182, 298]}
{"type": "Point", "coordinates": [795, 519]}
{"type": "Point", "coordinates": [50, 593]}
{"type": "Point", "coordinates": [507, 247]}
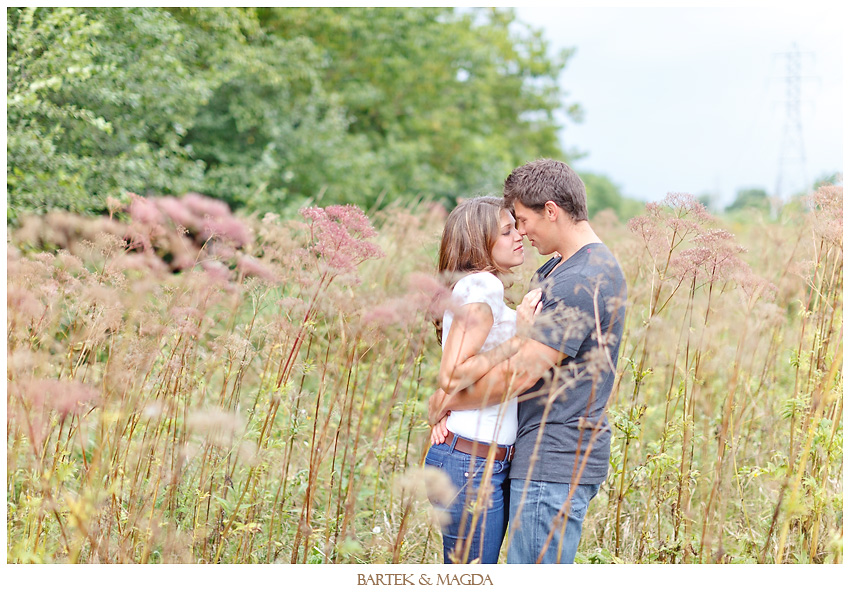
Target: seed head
{"type": "Point", "coordinates": [828, 210]}
{"type": "Point", "coordinates": [338, 236]}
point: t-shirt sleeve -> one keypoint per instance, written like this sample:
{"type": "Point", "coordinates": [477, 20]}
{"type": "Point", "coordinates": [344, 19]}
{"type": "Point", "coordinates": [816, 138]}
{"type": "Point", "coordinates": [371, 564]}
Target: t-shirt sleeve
{"type": "Point", "coordinates": [566, 318]}
{"type": "Point", "coordinates": [481, 287]}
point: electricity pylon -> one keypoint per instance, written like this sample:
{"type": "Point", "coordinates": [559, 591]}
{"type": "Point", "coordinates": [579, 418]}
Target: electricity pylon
{"type": "Point", "coordinates": [791, 177]}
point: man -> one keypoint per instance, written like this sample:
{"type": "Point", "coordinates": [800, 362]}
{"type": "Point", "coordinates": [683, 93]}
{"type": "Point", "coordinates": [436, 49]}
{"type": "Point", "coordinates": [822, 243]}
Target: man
{"type": "Point", "coordinates": [563, 373]}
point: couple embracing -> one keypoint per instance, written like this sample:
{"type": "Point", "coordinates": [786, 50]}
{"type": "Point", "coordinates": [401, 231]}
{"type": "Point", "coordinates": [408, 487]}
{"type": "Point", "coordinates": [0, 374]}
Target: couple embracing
{"type": "Point", "coordinates": [519, 422]}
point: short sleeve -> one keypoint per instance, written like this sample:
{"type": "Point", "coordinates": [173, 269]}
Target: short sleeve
{"type": "Point", "coordinates": [481, 287]}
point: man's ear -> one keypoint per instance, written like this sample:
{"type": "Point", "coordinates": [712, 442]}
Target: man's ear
{"type": "Point", "coordinates": [551, 210]}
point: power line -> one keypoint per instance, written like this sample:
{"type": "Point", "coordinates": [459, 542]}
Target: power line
{"type": "Point", "coordinates": [791, 177]}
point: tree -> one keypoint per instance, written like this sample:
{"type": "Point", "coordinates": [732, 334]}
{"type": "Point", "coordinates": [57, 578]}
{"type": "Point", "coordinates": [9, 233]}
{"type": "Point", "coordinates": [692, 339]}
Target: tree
{"type": "Point", "coordinates": [603, 194]}
{"type": "Point", "coordinates": [264, 107]}
{"type": "Point", "coordinates": [833, 179]}
{"type": "Point", "coordinates": [443, 102]}
{"type": "Point", "coordinates": [750, 198]}
{"type": "Point", "coordinates": [98, 101]}
{"type": "Point", "coordinates": [269, 129]}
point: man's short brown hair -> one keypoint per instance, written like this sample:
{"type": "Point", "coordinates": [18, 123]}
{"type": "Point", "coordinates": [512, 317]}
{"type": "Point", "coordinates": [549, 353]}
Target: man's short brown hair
{"type": "Point", "coordinates": [543, 180]}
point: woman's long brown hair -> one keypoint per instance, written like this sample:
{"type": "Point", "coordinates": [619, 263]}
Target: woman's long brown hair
{"type": "Point", "coordinates": [469, 235]}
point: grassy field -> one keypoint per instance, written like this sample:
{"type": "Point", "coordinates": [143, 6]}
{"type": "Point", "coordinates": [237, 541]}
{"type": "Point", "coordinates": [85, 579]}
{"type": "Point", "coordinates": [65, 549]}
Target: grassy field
{"type": "Point", "coordinates": [189, 386]}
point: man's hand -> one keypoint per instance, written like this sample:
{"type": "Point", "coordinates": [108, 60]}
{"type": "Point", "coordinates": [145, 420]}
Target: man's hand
{"type": "Point", "coordinates": [437, 407]}
{"type": "Point", "coordinates": [440, 431]}
{"type": "Point", "coordinates": [527, 311]}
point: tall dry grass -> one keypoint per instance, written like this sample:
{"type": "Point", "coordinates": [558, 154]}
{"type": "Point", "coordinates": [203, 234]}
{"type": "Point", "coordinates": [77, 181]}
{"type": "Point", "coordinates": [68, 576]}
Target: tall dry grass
{"type": "Point", "coordinates": [189, 386]}
{"type": "Point", "coordinates": [729, 401]}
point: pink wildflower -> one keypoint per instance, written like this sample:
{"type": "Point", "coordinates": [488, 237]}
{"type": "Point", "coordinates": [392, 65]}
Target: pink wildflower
{"type": "Point", "coordinates": [687, 215]}
{"type": "Point", "coordinates": [178, 212]}
{"type": "Point", "coordinates": [426, 298]}
{"type": "Point", "coordinates": [391, 312]}
{"type": "Point", "coordinates": [204, 206]}
{"type": "Point", "coordinates": [144, 211]}
{"type": "Point", "coordinates": [145, 263]}
{"type": "Point", "coordinates": [187, 320]}
{"type": "Point", "coordinates": [225, 227]}
{"type": "Point", "coordinates": [338, 236]}
{"type": "Point", "coordinates": [754, 287]}
{"type": "Point", "coordinates": [828, 208]}
{"type": "Point", "coordinates": [723, 262]}
{"type": "Point", "coordinates": [689, 262]}
{"type": "Point", "coordinates": [113, 205]}
{"type": "Point", "coordinates": [437, 212]}
{"type": "Point", "coordinates": [249, 266]}
{"type": "Point", "coordinates": [73, 397]}
{"type": "Point", "coordinates": [432, 296]}
{"type": "Point", "coordinates": [666, 226]}
{"type": "Point", "coordinates": [23, 303]}
{"type": "Point", "coordinates": [66, 397]}
{"type": "Point", "coordinates": [217, 272]}
{"type": "Point", "coordinates": [69, 262]}
{"type": "Point", "coordinates": [221, 251]}
{"type": "Point", "coordinates": [183, 260]}
{"type": "Point", "coordinates": [685, 205]}
{"type": "Point", "coordinates": [646, 228]}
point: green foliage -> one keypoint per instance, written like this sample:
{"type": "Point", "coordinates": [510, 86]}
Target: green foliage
{"type": "Point", "coordinates": [435, 102]}
{"type": "Point", "coordinates": [41, 60]}
{"type": "Point", "coordinates": [603, 194]}
{"type": "Point", "coordinates": [269, 127]}
{"type": "Point", "coordinates": [98, 101]}
{"type": "Point", "coordinates": [750, 198]}
{"type": "Point", "coordinates": [266, 107]}
{"type": "Point", "coordinates": [829, 179]}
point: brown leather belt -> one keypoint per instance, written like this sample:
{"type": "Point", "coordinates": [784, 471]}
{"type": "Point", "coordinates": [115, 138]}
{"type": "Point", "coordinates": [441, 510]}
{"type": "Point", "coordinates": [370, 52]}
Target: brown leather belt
{"type": "Point", "coordinates": [479, 449]}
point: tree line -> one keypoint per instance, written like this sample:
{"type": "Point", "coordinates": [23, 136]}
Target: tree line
{"type": "Point", "coordinates": [265, 107]}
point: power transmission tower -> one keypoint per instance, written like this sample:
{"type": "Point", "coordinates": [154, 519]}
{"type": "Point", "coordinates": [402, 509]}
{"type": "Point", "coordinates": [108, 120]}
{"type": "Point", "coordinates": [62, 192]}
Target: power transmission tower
{"type": "Point", "coordinates": [791, 177]}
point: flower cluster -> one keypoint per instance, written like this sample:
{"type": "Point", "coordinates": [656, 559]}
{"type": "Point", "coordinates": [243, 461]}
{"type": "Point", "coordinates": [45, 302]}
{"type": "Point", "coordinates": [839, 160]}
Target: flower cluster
{"type": "Point", "coordinates": [668, 224]}
{"type": "Point", "coordinates": [338, 236]}
{"type": "Point", "coordinates": [31, 402]}
{"type": "Point", "coordinates": [828, 209]}
{"type": "Point", "coordinates": [426, 298]}
{"type": "Point", "coordinates": [164, 224]}
{"type": "Point", "coordinates": [713, 257]}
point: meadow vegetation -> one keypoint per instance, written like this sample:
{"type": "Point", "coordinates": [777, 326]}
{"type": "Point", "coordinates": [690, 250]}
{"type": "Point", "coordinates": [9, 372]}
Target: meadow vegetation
{"type": "Point", "coordinates": [186, 385]}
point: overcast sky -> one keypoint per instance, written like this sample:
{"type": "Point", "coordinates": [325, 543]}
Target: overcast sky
{"type": "Point", "coordinates": [694, 99]}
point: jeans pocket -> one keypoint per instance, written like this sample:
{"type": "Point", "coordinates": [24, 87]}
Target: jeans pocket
{"type": "Point", "coordinates": [435, 457]}
{"type": "Point", "coordinates": [501, 467]}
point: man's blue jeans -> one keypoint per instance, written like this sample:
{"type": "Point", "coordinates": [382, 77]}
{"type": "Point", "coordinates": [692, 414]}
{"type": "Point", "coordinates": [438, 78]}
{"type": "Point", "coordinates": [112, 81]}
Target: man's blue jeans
{"type": "Point", "coordinates": [538, 516]}
{"type": "Point", "coordinates": [485, 537]}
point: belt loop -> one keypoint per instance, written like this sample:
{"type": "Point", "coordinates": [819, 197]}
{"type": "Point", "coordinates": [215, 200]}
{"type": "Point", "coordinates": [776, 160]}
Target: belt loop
{"type": "Point", "coordinates": [454, 441]}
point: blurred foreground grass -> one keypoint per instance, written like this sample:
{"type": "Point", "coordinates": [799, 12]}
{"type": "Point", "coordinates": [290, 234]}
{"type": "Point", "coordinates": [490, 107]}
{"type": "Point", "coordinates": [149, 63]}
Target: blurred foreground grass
{"type": "Point", "coordinates": [189, 386]}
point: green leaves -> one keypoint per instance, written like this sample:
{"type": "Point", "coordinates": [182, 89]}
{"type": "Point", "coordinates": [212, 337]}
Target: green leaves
{"type": "Point", "coordinates": [97, 96]}
{"type": "Point", "coordinates": [265, 107]}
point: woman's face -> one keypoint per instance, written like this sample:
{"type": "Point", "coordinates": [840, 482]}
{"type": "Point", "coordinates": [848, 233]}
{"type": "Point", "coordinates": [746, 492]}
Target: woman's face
{"type": "Point", "coordinates": [507, 252]}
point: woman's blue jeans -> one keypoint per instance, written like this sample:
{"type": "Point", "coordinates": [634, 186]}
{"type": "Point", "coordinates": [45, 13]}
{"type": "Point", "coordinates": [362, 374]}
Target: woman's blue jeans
{"type": "Point", "coordinates": [477, 518]}
{"type": "Point", "coordinates": [543, 522]}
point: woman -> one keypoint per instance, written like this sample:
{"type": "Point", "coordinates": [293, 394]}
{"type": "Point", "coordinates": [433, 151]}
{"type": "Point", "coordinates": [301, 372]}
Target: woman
{"type": "Point", "coordinates": [480, 242]}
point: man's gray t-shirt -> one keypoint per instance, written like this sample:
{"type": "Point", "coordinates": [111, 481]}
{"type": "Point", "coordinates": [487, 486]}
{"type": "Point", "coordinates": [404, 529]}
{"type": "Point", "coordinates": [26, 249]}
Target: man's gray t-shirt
{"type": "Point", "coordinates": [584, 303]}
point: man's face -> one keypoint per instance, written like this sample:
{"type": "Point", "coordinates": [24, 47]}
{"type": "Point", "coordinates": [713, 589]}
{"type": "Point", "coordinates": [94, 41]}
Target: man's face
{"type": "Point", "coordinates": [533, 225]}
